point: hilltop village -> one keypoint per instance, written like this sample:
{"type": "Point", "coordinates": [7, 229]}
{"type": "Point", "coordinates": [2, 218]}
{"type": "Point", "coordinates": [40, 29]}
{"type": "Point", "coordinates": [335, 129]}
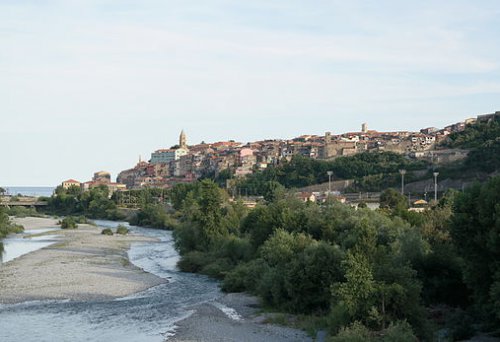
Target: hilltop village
{"type": "Point", "coordinates": [185, 163]}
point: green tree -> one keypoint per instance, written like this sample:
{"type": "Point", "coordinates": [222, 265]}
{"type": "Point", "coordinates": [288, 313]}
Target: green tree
{"type": "Point", "coordinates": [476, 233]}
{"type": "Point", "coordinates": [394, 200]}
{"type": "Point", "coordinates": [356, 293]}
{"type": "Point", "coordinates": [273, 191]}
{"type": "Point", "coordinates": [210, 215]}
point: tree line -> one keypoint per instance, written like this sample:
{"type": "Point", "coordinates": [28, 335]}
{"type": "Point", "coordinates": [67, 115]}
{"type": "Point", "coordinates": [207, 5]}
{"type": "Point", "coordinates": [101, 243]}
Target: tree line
{"type": "Point", "coordinates": [7, 226]}
{"type": "Point", "coordinates": [483, 139]}
{"type": "Point", "coordinates": [371, 171]}
{"type": "Point", "coordinates": [375, 274]}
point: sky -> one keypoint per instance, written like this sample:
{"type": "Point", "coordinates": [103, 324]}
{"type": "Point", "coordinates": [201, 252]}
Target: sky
{"type": "Point", "coordinates": [88, 85]}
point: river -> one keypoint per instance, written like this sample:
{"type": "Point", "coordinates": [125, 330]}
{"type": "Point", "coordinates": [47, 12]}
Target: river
{"type": "Point", "coordinates": [146, 316]}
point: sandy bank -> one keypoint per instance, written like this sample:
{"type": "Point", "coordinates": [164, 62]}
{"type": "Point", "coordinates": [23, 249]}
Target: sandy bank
{"type": "Point", "coordinates": [232, 318]}
{"type": "Point", "coordinates": [83, 265]}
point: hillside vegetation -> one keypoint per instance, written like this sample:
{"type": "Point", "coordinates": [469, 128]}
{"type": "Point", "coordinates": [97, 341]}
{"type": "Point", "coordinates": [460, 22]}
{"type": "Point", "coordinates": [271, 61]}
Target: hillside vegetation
{"type": "Point", "coordinates": [371, 171]}
{"type": "Point", "coordinates": [358, 273]}
{"type": "Point", "coordinates": [484, 141]}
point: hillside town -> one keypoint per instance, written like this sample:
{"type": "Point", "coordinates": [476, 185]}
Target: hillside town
{"type": "Point", "coordinates": [185, 163]}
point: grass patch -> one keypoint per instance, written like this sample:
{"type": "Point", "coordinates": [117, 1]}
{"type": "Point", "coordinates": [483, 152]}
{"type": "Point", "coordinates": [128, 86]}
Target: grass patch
{"type": "Point", "coordinates": [107, 231]}
{"type": "Point", "coordinates": [122, 230]}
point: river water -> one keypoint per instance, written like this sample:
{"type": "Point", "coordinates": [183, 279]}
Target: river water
{"type": "Point", "coordinates": [17, 245]}
{"type": "Point", "coordinates": [146, 316]}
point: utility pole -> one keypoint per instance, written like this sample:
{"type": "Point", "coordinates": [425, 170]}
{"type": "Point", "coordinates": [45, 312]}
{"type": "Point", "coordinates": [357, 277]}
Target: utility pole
{"type": "Point", "coordinates": [435, 186]}
{"type": "Point", "coordinates": [402, 172]}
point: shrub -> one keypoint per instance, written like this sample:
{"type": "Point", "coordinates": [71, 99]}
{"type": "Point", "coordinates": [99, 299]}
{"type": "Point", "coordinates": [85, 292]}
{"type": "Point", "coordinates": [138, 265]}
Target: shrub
{"type": "Point", "coordinates": [69, 223]}
{"type": "Point", "coordinates": [460, 325]}
{"type": "Point", "coordinates": [245, 276]}
{"type": "Point", "coordinates": [107, 231]}
{"type": "Point", "coordinates": [218, 269]}
{"type": "Point", "coordinates": [122, 230]}
{"type": "Point", "coordinates": [81, 219]}
{"type": "Point", "coordinates": [16, 228]}
{"type": "Point", "coordinates": [356, 332]}
{"type": "Point", "coordinates": [194, 261]}
{"type": "Point", "coordinates": [399, 331]}
{"type": "Point", "coordinates": [23, 212]}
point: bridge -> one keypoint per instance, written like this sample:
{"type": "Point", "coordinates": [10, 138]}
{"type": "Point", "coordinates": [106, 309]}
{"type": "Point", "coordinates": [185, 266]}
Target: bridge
{"type": "Point", "coordinates": [22, 202]}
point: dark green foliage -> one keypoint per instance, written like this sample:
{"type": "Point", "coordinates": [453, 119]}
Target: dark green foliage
{"type": "Point", "coordinates": [19, 211]}
{"type": "Point", "coordinates": [398, 332]}
{"type": "Point", "coordinates": [475, 135]}
{"type": "Point", "coordinates": [81, 219]}
{"type": "Point", "coordinates": [394, 200]}
{"type": "Point", "coordinates": [273, 191]}
{"type": "Point", "coordinates": [362, 205]}
{"type": "Point", "coordinates": [475, 230]}
{"type": "Point", "coordinates": [122, 230]}
{"type": "Point", "coordinates": [179, 193]}
{"type": "Point", "coordinates": [94, 203]}
{"type": "Point", "coordinates": [153, 216]}
{"type": "Point", "coordinates": [302, 171]}
{"type": "Point", "coordinates": [6, 226]}
{"type": "Point", "coordinates": [309, 276]}
{"type": "Point", "coordinates": [139, 197]}
{"type": "Point", "coordinates": [69, 222]}
{"type": "Point", "coordinates": [460, 325]}
{"type": "Point", "coordinates": [356, 332]}
{"type": "Point", "coordinates": [194, 261]}
{"type": "Point", "coordinates": [483, 138]}
{"type": "Point", "coordinates": [245, 276]}
{"type": "Point", "coordinates": [107, 231]}
{"type": "Point", "coordinates": [376, 268]}
{"type": "Point", "coordinates": [486, 158]}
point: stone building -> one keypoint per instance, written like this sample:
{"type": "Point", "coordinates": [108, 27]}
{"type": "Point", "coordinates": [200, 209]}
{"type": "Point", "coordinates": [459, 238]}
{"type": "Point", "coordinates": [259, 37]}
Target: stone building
{"type": "Point", "coordinates": [69, 183]}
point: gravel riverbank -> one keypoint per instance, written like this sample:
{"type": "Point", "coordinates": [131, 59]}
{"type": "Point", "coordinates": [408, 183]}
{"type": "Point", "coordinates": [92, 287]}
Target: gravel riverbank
{"type": "Point", "coordinates": [232, 318]}
{"type": "Point", "coordinates": [86, 266]}
{"type": "Point", "coordinates": [82, 265]}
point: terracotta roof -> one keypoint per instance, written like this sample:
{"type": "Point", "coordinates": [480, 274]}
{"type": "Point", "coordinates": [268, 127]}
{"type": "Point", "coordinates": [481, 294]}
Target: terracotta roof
{"type": "Point", "coordinates": [71, 181]}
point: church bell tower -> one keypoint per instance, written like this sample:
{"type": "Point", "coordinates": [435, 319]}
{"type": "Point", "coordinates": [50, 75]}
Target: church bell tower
{"type": "Point", "coordinates": [183, 140]}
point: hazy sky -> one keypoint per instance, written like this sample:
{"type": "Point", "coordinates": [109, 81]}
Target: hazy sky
{"type": "Point", "coordinates": [87, 85]}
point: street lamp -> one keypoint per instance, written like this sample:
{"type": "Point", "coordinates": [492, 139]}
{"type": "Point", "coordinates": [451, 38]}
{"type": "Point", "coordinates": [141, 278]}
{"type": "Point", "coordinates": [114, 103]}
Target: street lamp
{"type": "Point", "coordinates": [330, 173]}
{"type": "Point", "coordinates": [402, 172]}
{"type": "Point", "coordinates": [435, 186]}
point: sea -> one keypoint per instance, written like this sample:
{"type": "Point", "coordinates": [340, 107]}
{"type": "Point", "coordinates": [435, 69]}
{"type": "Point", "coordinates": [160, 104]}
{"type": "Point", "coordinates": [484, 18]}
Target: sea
{"type": "Point", "coordinates": [37, 191]}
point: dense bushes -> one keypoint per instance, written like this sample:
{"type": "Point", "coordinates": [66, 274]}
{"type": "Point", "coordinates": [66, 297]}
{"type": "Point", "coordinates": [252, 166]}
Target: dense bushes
{"type": "Point", "coordinates": [19, 211]}
{"type": "Point", "coordinates": [372, 171]}
{"type": "Point", "coordinates": [122, 230]}
{"type": "Point", "coordinates": [369, 272]}
{"type": "Point", "coordinates": [475, 229]}
{"type": "Point", "coordinates": [332, 260]}
{"type": "Point", "coordinates": [153, 216]}
{"type": "Point", "coordinates": [7, 227]}
{"type": "Point", "coordinates": [94, 203]}
{"type": "Point", "coordinates": [483, 139]}
{"type": "Point", "coordinates": [68, 223]}
{"type": "Point", "coordinates": [107, 231]}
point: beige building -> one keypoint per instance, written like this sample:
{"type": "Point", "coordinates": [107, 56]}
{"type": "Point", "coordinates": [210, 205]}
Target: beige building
{"type": "Point", "coordinates": [337, 148]}
{"type": "Point", "coordinates": [69, 183]}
